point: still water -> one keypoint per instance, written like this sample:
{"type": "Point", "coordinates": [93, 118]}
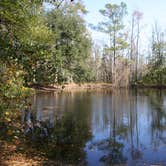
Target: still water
{"type": "Point", "coordinates": [105, 128]}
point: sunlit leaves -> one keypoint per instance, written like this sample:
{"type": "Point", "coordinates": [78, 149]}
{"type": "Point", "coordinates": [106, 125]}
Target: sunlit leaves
{"type": "Point", "coordinates": [37, 34]}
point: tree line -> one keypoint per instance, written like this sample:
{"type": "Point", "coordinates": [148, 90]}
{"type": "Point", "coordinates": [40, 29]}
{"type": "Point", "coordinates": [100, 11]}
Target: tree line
{"type": "Point", "coordinates": [121, 61]}
{"type": "Point", "coordinates": [54, 46]}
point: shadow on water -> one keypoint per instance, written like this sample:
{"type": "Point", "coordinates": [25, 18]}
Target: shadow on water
{"type": "Point", "coordinates": [101, 128]}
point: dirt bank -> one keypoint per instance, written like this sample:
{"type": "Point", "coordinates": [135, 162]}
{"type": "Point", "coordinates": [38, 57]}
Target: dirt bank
{"type": "Point", "coordinates": [74, 86]}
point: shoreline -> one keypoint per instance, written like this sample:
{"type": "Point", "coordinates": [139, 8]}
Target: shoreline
{"type": "Point", "coordinates": [144, 86]}
{"type": "Point", "coordinates": [89, 86]}
{"type": "Point", "coordinates": [73, 86]}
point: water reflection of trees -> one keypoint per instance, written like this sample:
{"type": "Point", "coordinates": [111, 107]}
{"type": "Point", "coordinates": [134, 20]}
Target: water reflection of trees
{"type": "Point", "coordinates": [68, 139]}
{"type": "Point", "coordinates": [133, 120]}
{"type": "Point", "coordinates": [66, 134]}
{"type": "Point", "coordinates": [158, 116]}
{"type": "Point", "coordinates": [124, 126]}
{"type": "Point", "coordinates": [133, 113]}
{"type": "Point", "coordinates": [123, 118]}
{"type": "Point", "coordinates": [64, 142]}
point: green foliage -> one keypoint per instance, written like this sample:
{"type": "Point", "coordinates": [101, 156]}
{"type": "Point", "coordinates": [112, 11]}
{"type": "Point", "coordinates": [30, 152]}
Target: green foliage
{"type": "Point", "coordinates": [114, 14]}
{"type": "Point", "coordinates": [71, 40]}
{"type": "Point", "coordinates": [40, 47]}
{"type": "Point", "coordinates": [156, 71]}
{"type": "Point", "coordinates": [46, 45]}
{"type": "Point", "coordinates": [13, 95]}
{"type": "Point", "coordinates": [113, 26]}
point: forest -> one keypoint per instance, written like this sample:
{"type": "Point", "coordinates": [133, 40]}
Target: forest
{"type": "Point", "coordinates": [47, 47]}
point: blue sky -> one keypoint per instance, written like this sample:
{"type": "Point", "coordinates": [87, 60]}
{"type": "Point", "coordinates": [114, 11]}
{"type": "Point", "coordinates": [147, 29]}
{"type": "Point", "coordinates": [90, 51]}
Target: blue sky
{"type": "Point", "coordinates": [153, 10]}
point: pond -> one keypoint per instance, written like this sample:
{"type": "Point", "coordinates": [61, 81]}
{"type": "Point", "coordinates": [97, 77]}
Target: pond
{"type": "Point", "coordinates": [103, 127]}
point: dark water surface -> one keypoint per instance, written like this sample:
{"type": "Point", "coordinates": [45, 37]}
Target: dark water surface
{"type": "Point", "coordinates": [106, 128]}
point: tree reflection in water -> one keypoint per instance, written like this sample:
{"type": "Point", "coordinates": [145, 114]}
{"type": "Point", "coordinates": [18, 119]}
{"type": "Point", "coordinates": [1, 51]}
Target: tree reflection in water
{"type": "Point", "coordinates": [158, 114]}
{"type": "Point", "coordinates": [121, 127]}
{"type": "Point", "coordinates": [62, 141]}
{"type": "Point", "coordinates": [131, 118]}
